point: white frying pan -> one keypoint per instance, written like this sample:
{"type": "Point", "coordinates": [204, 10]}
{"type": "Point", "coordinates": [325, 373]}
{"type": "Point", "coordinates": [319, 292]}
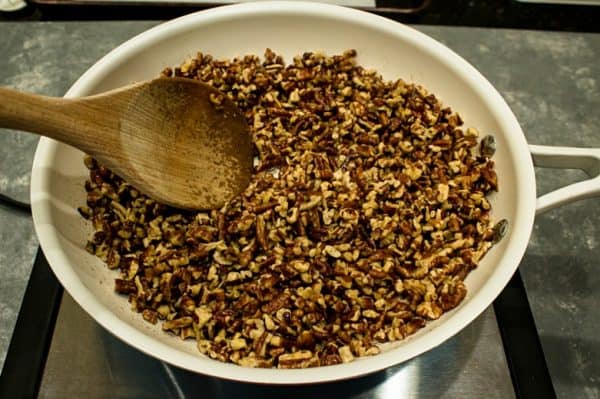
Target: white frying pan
{"type": "Point", "coordinates": [291, 28]}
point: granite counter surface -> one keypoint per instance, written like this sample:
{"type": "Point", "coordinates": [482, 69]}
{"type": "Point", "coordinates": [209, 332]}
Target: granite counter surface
{"type": "Point", "coordinates": [550, 80]}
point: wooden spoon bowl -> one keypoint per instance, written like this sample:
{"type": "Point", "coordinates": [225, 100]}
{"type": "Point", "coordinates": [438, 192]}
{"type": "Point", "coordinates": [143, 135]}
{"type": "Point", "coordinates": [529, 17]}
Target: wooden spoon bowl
{"type": "Point", "coordinates": [180, 141]}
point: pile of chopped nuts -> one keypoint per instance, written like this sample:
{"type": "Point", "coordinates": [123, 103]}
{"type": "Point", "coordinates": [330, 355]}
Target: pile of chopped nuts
{"type": "Point", "coordinates": [366, 212]}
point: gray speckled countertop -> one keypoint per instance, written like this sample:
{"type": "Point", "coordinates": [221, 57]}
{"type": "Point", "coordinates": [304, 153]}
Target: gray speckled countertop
{"type": "Point", "coordinates": [44, 58]}
{"type": "Point", "coordinates": [551, 81]}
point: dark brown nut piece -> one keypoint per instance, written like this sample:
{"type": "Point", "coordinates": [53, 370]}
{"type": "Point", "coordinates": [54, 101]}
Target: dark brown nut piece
{"type": "Point", "coordinates": [150, 316]}
{"type": "Point", "coordinates": [113, 258]}
{"type": "Point", "coordinates": [177, 323]}
{"type": "Point", "coordinates": [280, 301]}
{"type": "Point", "coordinates": [488, 146]}
{"type": "Point", "coordinates": [125, 286]}
{"type": "Point", "coordinates": [430, 310]}
{"type": "Point", "coordinates": [452, 296]}
{"type": "Point", "coordinates": [296, 360]}
{"type": "Point", "coordinates": [216, 99]}
{"type": "Point", "coordinates": [500, 229]}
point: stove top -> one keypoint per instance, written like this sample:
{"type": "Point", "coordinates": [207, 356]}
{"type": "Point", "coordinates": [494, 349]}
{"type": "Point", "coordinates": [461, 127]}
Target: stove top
{"type": "Point", "coordinates": [69, 355]}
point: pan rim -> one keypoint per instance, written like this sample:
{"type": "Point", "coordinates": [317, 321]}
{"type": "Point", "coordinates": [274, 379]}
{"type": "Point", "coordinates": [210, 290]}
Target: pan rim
{"type": "Point", "coordinates": [460, 318]}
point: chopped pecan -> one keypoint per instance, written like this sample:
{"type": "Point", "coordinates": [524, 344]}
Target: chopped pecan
{"type": "Point", "coordinates": [364, 215]}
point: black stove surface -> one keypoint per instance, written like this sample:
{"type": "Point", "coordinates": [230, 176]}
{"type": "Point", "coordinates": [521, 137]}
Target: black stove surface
{"type": "Point", "coordinates": [482, 13]}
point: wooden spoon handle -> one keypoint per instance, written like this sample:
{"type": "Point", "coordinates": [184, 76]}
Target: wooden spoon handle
{"type": "Point", "coordinates": [32, 113]}
{"type": "Point", "coordinates": [72, 121]}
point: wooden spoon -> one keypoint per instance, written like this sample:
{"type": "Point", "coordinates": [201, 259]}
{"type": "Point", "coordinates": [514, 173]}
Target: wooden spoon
{"type": "Point", "coordinates": [177, 140]}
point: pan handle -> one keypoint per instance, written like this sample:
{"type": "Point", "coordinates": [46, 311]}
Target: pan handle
{"type": "Point", "coordinates": [586, 159]}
